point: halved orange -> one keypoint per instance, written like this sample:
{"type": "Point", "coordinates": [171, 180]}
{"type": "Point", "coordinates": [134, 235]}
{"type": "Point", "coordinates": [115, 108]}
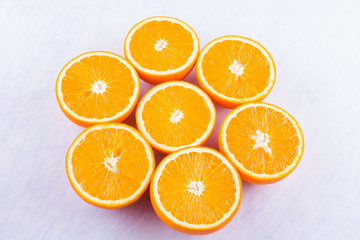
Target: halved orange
{"type": "Point", "coordinates": [263, 141]}
{"type": "Point", "coordinates": [175, 115]}
{"type": "Point", "coordinates": [196, 190]}
{"type": "Point", "coordinates": [110, 165]}
{"type": "Point", "coordinates": [234, 70]}
{"type": "Point", "coordinates": [162, 49]}
{"type": "Point", "coordinates": [97, 87]}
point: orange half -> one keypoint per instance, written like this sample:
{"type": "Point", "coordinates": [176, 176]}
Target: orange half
{"type": "Point", "coordinates": [97, 87]}
{"type": "Point", "coordinates": [175, 115]}
{"type": "Point", "coordinates": [196, 190]}
{"type": "Point", "coordinates": [263, 141]}
{"type": "Point", "coordinates": [234, 70]}
{"type": "Point", "coordinates": [162, 49]}
{"type": "Point", "coordinates": [110, 165]}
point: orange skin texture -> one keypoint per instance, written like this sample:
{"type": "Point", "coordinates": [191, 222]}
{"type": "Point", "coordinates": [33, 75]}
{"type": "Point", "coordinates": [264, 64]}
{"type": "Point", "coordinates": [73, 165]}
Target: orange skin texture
{"type": "Point", "coordinates": [156, 78]}
{"type": "Point", "coordinates": [219, 100]}
{"type": "Point", "coordinates": [163, 151]}
{"type": "Point", "coordinates": [184, 229]}
{"type": "Point", "coordinates": [94, 203]}
{"type": "Point", "coordinates": [90, 123]}
{"type": "Point", "coordinates": [251, 178]}
{"type": "Point", "coordinates": [255, 180]}
{"type": "Point", "coordinates": [86, 124]}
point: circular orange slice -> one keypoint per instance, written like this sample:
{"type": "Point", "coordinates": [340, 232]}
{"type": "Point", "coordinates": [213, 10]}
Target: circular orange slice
{"type": "Point", "coordinates": [110, 165]}
{"type": "Point", "coordinates": [175, 115]}
{"type": "Point", "coordinates": [196, 190]}
{"type": "Point", "coordinates": [162, 49]}
{"type": "Point", "coordinates": [263, 141]}
{"type": "Point", "coordinates": [234, 70]}
{"type": "Point", "coordinates": [97, 87]}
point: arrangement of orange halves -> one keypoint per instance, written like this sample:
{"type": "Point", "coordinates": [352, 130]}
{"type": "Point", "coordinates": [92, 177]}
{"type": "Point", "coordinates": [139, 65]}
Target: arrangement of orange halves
{"type": "Point", "coordinates": [194, 189]}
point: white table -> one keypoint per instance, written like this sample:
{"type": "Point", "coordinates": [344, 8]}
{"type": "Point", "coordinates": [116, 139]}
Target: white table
{"type": "Point", "coordinates": [316, 47]}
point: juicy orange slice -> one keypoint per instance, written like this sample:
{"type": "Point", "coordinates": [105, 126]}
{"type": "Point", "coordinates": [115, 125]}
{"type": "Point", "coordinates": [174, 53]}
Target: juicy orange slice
{"type": "Point", "coordinates": [175, 115]}
{"type": "Point", "coordinates": [263, 141]}
{"type": "Point", "coordinates": [110, 165]}
{"type": "Point", "coordinates": [196, 190]}
{"type": "Point", "coordinates": [234, 70]}
{"type": "Point", "coordinates": [97, 87]}
{"type": "Point", "coordinates": [162, 49]}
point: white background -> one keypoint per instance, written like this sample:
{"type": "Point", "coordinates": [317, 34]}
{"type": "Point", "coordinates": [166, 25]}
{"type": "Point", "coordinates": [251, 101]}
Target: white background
{"type": "Point", "coordinates": [316, 48]}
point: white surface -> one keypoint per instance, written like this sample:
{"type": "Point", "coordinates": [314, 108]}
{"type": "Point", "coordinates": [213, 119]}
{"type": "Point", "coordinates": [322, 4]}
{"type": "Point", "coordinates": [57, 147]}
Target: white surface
{"type": "Point", "coordinates": [315, 45]}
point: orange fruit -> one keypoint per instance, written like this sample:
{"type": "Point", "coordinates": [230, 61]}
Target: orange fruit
{"type": "Point", "coordinates": [175, 115]}
{"type": "Point", "coordinates": [196, 190]}
{"type": "Point", "coordinates": [97, 87]}
{"type": "Point", "coordinates": [162, 49]}
{"type": "Point", "coordinates": [263, 141]}
{"type": "Point", "coordinates": [234, 70]}
{"type": "Point", "coordinates": [110, 165]}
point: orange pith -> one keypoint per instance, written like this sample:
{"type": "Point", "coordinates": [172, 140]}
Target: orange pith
{"type": "Point", "coordinates": [162, 49]}
{"type": "Point", "coordinates": [235, 70]}
{"type": "Point", "coordinates": [97, 87]}
{"type": "Point", "coordinates": [175, 115]}
{"type": "Point", "coordinates": [196, 190]}
{"type": "Point", "coordinates": [263, 141]}
{"type": "Point", "coordinates": [107, 171]}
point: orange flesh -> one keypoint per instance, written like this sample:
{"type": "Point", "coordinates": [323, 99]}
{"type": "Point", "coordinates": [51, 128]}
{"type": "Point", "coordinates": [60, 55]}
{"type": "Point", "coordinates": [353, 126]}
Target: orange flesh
{"type": "Point", "coordinates": [256, 69]}
{"type": "Point", "coordinates": [78, 80]}
{"type": "Point", "coordinates": [89, 166]}
{"type": "Point", "coordinates": [208, 207]}
{"type": "Point", "coordinates": [159, 109]}
{"type": "Point", "coordinates": [283, 140]}
{"type": "Point", "coordinates": [176, 52]}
